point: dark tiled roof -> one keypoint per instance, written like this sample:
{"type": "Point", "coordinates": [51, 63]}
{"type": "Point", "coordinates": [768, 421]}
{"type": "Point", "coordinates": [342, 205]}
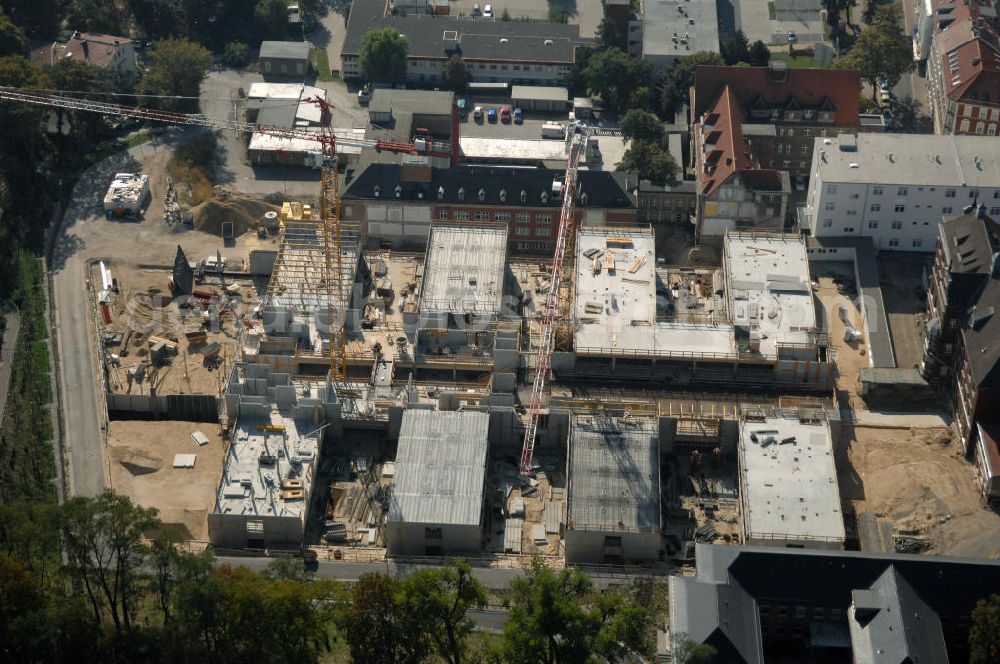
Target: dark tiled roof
{"type": "Point", "coordinates": [968, 50]}
{"type": "Point", "coordinates": [475, 38]}
{"type": "Point", "coordinates": [969, 242]}
{"type": "Point", "coordinates": [982, 336]}
{"type": "Point", "coordinates": [462, 184]}
{"type": "Point", "coordinates": [809, 88]}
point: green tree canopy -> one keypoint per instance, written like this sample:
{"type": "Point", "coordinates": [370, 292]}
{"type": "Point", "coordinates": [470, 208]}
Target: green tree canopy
{"type": "Point", "coordinates": [94, 16]}
{"type": "Point", "coordinates": [690, 652]}
{"type": "Point", "coordinates": [376, 628]}
{"type": "Point", "coordinates": [383, 55]}
{"type": "Point", "coordinates": [881, 48]}
{"type": "Point", "coordinates": [12, 38]}
{"type": "Point", "coordinates": [609, 35]}
{"type": "Point", "coordinates": [640, 125]}
{"type": "Point", "coordinates": [735, 48]}
{"type": "Point", "coordinates": [236, 54]}
{"type": "Point", "coordinates": [272, 17]}
{"type": "Point", "coordinates": [760, 54]}
{"type": "Point", "coordinates": [179, 66]}
{"type": "Point", "coordinates": [613, 74]}
{"type": "Point", "coordinates": [38, 18]}
{"type": "Point", "coordinates": [984, 631]}
{"type": "Point", "coordinates": [649, 161]}
{"type": "Point", "coordinates": [455, 73]}
{"type": "Point", "coordinates": [678, 77]}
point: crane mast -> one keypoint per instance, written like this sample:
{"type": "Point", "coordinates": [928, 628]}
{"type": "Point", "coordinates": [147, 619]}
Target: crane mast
{"type": "Point", "coordinates": [330, 228]}
{"type": "Point", "coordinates": [550, 312]}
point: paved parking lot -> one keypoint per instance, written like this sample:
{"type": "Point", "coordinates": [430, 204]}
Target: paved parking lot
{"type": "Point", "coordinates": [585, 13]}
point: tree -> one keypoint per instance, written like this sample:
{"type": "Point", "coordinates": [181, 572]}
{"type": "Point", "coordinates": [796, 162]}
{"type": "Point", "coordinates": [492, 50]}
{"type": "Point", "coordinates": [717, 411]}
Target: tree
{"type": "Point", "coordinates": [376, 628]}
{"type": "Point", "coordinates": [881, 49]}
{"type": "Point", "coordinates": [74, 75]}
{"type": "Point", "coordinates": [94, 16]}
{"type": "Point", "coordinates": [38, 18]}
{"type": "Point", "coordinates": [984, 631]}
{"type": "Point", "coordinates": [383, 55]}
{"type": "Point", "coordinates": [12, 38]}
{"type": "Point", "coordinates": [103, 538]}
{"type": "Point", "coordinates": [650, 161]}
{"type": "Point", "coordinates": [236, 55]}
{"type": "Point", "coordinates": [614, 75]}
{"type": "Point", "coordinates": [677, 79]}
{"type": "Point", "coordinates": [691, 652]}
{"type": "Point", "coordinates": [609, 35]}
{"type": "Point", "coordinates": [640, 125]}
{"type": "Point", "coordinates": [441, 598]}
{"type": "Point", "coordinates": [760, 54]}
{"type": "Point", "coordinates": [456, 75]}
{"type": "Point", "coordinates": [179, 65]}
{"type": "Point", "coordinates": [272, 17]}
{"type": "Point", "coordinates": [735, 48]}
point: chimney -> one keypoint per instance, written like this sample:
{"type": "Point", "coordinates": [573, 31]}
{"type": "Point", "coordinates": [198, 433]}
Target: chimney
{"type": "Point", "coordinates": [86, 50]}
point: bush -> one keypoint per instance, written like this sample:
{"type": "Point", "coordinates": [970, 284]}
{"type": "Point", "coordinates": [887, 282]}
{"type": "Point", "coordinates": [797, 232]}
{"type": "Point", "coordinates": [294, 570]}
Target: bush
{"type": "Point", "coordinates": [236, 54]}
{"type": "Point", "coordinates": [192, 167]}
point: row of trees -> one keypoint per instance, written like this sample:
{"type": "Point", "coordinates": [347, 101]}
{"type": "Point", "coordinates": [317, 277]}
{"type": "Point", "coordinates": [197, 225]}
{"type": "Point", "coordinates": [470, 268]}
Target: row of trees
{"type": "Point", "coordinates": [80, 583]}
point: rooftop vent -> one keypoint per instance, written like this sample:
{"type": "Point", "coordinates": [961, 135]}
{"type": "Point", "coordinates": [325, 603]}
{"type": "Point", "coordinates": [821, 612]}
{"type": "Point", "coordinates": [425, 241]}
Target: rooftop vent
{"type": "Point", "coordinates": [855, 164]}
{"type": "Point", "coordinates": [450, 35]}
{"type": "Point", "coordinates": [503, 40]}
{"type": "Point", "coordinates": [777, 71]}
{"type": "Point", "coordinates": [548, 42]}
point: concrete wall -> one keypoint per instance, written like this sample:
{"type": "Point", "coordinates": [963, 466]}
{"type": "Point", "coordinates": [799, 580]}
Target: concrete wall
{"type": "Point", "coordinates": [187, 407]}
{"type": "Point", "coordinates": [587, 546]}
{"type": "Point", "coordinates": [410, 539]}
{"type": "Point", "coordinates": [230, 530]}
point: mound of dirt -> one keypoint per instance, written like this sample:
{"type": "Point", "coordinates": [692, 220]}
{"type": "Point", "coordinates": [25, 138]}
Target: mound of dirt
{"type": "Point", "coordinates": [245, 213]}
{"type": "Point", "coordinates": [138, 462]}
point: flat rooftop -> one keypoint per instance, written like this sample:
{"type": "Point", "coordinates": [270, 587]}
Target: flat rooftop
{"type": "Point", "coordinates": [909, 159]}
{"type": "Point", "coordinates": [789, 489]}
{"type": "Point", "coordinates": [440, 468]}
{"type": "Point", "coordinates": [769, 288]}
{"type": "Point", "coordinates": [270, 465]}
{"type": "Point", "coordinates": [464, 269]}
{"type": "Point", "coordinates": [614, 474]}
{"type": "Point", "coordinates": [616, 309]}
{"type": "Point", "coordinates": [270, 142]}
{"type": "Point", "coordinates": [515, 150]}
{"type": "Point", "coordinates": [679, 28]}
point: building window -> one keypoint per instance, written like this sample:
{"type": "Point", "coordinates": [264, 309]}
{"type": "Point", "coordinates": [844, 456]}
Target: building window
{"type": "Point", "coordinates": [946, 209]}
{"type": "Point", "coordinates": [461, 215]}
{"type": "Point", "coordinates": [897, 225]}
{"type": "Point", "coordinates": [875, 207]}
{"type": "Point", "coordinates": [830, 206]}
{"type": "Point", "coordinates": [949, 193]}
{"type": "Point", "coordinates": [973, 193]}
{"type": "Point", "coordinates": [918, 243]}
{"type": "Point", "coordinates": [876, 191]}
{"type": "Point", "coordinates": [543, 218]}
{"type": "Point", "coordinates": [893, 243]}
{"type": "Point", "coordinates": [849, 229]}
{"type": "Point", "coordinates": [612, 541]}
{"type": "Point", "coordinates": [831, 189]}
{"type": "Point", "coordinates": [482, 215]}
{"type": "Point", "coordinates": [542, 232]}
{"type": "Point", "coordinates": [834, 614]}
{"type": "Point", "coordinates": [902, 191]}
{"type": "Point", "coordinates": [873, 224]}
{"type": "Point", "coordinates": [432, 533]}
{"type": "Point", "coordinates": [523, 230]}
{"type": "Point", "coordinates": [994, 211]}
{"type": "Point", "coordinates": [852, 213]}
{"type": "Point", "coordinates": [503, 216]}
{"type": "Point", "coordinates": [523, 217]}
{"type": "Point", "coordinates": [827, 223]}
{"type": "Point", "coordinates": [992, 131]}
{"type": "Point", "coordinates": [855, 196]}
{"type": "Point", "coordinates": [899, 208]}
{"type": "Point", "coordinates": [442, 214]}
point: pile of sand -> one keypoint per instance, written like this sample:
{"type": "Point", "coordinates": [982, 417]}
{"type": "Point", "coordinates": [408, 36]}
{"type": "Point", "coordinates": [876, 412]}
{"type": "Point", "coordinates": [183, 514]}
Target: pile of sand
{"type": "Point", "coordinates": [245, 213]}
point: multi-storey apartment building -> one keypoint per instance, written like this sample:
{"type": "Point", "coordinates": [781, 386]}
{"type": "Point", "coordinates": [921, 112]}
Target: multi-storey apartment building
{"type": "Point", "coordinates": [963, 335]}
{"type": "Point", "coordinates": [520, 52]}
{"type": "Point", "coordinates": [895, 188]}
{"type": "Point", "coordinates": [780, 111]}
{"type": "Point", "coordinates": [963, 67]}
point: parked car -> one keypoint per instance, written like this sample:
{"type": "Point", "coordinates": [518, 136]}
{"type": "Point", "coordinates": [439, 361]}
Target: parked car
{"type": "Point", "coordinates": [475, 9]}
{"type": "Point", "coordinates": [491, 114]}
{"type": "Point", "coordinates": [365, 94]}
{"type": "Point", "coordinates": [884, 91]}
{"type": "Point", "coordinates": [477, 114]}
{"type": "Point", "coordinates": [505, 113]}
{"type": "Point", "coordinates": [488, 11]}
{"type": "Point", "coordinates": [518, 116]}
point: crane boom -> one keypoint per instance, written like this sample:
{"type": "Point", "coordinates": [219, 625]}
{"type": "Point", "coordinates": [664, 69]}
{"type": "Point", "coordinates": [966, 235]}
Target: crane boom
{"type": "Point", "coordinates": [550, 312]}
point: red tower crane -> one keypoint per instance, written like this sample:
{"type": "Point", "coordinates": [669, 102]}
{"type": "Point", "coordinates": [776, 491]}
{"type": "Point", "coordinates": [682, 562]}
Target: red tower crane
{"type": "Point", "coordinates": [550, 312]}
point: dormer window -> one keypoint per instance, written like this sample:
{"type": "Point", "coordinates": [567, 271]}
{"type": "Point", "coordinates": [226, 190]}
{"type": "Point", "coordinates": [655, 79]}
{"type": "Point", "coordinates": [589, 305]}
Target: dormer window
{"type": "Point", "coordinates": [503, 195]}
{"type": "Point", "coordinates": [399, 190]}
{"type": "Point", "coordinates": [461, 193]}
{"type": "Point", "coordinates": [378, 191]}
{"type": "Point", "coordinates": [524, 196]}
{"type": "Point", "coordinates": [440, 193]}
{"type": "Point", "coordinates": [545, 197]}
{"type": "Point", "coordinates": [482, 195]}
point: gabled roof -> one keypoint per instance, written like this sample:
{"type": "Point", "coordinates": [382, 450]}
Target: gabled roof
{"type": "Point", "coordinates": [285, 50]}
{"type": "Point", "coordinates": [968, 47]}
{"type": "Point", "coordinates": [88, 47]}
{"type": "Point", "coordinates": [760, 87]}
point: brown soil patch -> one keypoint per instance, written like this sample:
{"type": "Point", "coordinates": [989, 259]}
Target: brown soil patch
{"type": "Point", "coordinates": [245, 213]}
{"type": "Point", "coordinates": [918, 479]}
